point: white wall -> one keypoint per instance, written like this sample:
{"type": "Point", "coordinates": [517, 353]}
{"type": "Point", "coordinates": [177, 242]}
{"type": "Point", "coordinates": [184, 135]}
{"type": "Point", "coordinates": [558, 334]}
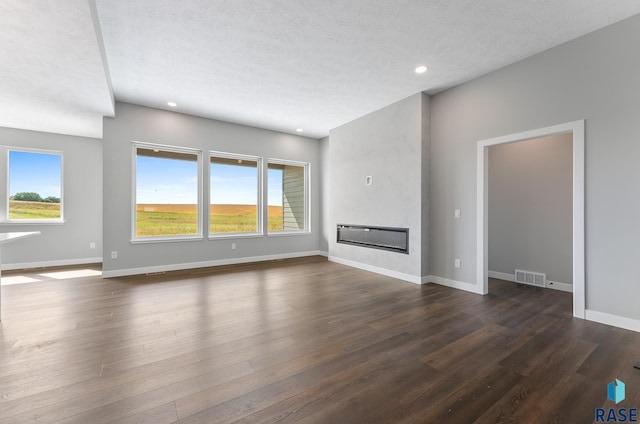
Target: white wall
{"type": "Point", "coordinates": [595, 78]}
{"type": "Point", "coordinates": [66, 243]}
{"type": "Point", "coordinates": [530, 207]}
{"type": "Point", "coordinates": [388, 145]}
{"type": "Point", "coordinates": [156, 126]}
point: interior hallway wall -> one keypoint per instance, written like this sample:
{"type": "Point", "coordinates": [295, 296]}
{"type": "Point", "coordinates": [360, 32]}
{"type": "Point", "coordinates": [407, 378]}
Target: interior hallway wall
{"type": "Point", "coordinates": [530, 207]}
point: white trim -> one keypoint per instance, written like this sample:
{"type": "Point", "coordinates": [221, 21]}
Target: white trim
{"type": "Point", "coordinates": [323, 253]}
{"type": "Point", "coordinates": [165, 239]}
{"type": "Point", "coordinates": [134, 201]}
{"type": "Point", "coordinates": [46, 264]}
{"type": "Point", "coordinates": [227, 236]}
{"type": "Point", "coordinates": [307, 195]}
{"type": "Point", "coordinates": [502, 276]}
{"type": "Point", "coordinates": [575, 127]}
{"type": "Point", "coordinates": [5, 220]}
{"type": "Point", "coordinates": [460, 285]}
{"type": "Point", "coordinates": [614, 320]}
{"type": "Point", "coordinates": [558, 285]}
{"type": "Point", "coordinates": [482, 211]}
{"type": "Point", "coordinates": [579, 285]}
{"type": "Point", "coordinates": [205, 264]}
{"type": "Point", "coordinates": [259, 209]}
{"type": "Point", "coordinates": [288, 233]}
{"type": "Point", "coordinates": [34, 222]}
{"type": "Point", "coordinates": [382, 271]}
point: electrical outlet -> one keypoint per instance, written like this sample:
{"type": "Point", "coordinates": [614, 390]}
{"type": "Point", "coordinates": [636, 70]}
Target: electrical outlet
{"type": "Point", "coordinates": [233, 246]}
{"type": "Point", "coordinates": [456, 263]}
{"type": "Point", "coordinates": [456, 214]}
{"type": "Point", "coordinates": [368, 180]}
{"type": "Point", "coordinates": [114, 254]}
{"type": "Point", "coordinates": [92, 245]}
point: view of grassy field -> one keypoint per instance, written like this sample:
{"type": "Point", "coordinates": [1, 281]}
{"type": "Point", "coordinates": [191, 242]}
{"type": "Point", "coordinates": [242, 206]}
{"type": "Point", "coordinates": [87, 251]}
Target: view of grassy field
{"type": "Point", "coordinates": [19, 209]}
{"type": "Point", "coordinates": [241, 218]}
{"type": "Point", "coordinates": [167, 219]}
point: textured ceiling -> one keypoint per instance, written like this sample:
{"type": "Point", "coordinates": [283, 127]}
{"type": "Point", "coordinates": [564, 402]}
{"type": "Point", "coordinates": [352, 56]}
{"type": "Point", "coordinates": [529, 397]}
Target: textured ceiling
{"type": "Point", "coordinates": [52, 73]}
{"type": "Point", "coordinates": [278, 64]}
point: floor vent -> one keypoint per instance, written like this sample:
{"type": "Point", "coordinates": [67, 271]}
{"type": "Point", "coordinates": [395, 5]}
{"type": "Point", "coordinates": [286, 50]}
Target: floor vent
{"type": "Point", "coordinates": [531, 278]}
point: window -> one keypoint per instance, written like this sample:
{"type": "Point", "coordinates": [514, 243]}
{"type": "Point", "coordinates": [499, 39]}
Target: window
{"type": "Point", "coordinates": [167, 193]}
{"type": "Point", "coordinates": [288, 196]}
{"type": "Point", "coordinates": [35, 186]}
{"type": "Point", "coordinates": [234, 194]}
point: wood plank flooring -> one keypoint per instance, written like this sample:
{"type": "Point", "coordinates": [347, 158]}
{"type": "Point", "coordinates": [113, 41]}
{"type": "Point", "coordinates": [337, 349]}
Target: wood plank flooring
{"type": "Point", "coordinates": [300, 341]}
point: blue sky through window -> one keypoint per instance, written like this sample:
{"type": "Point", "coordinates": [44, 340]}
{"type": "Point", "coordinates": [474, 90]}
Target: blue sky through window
{"type": "Point", "coordinates": [172, 181]}
{"type": "Point", "coordinates": [275, 187]}
{"type": "Point", "coordinates": [166, 181]}
{"type": "Point", "coordinates": [233, 185]}
{"type": "Point", "coordinates": [35, 172]}
{"type": "Point", "coordinates": [237, 185]}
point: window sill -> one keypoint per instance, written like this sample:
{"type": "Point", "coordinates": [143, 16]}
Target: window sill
{"type": "Point", "coordinates": [289, 233]}
{"type": "Point", "coordinates": [15, 222]}
{"type": "Point", "coordinates": [235, 236]}
{"type": "Point", "coordinates": [165, 239]}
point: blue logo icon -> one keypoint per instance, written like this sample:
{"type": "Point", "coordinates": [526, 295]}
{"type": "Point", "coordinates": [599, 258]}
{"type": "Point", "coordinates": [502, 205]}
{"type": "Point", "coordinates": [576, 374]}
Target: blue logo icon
{"type": "Point", "coordinates": [615, 391]}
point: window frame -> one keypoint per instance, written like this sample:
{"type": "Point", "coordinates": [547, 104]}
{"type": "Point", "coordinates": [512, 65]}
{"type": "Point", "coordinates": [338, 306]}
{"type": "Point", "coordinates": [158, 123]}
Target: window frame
{"type": "Point", "coordinates": [135, 239]}
{"type": "Point", "coordinates": [307, 198]}
{"type": "Point", "coordinates": [259, 201]}
{"type": "Point", "coordinates": [4, 213]}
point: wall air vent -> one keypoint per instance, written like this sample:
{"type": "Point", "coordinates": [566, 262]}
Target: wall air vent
{"type": "Point", "coordinates": [531, 278]}
{"type": "Point", "coordinates": [385, 238]}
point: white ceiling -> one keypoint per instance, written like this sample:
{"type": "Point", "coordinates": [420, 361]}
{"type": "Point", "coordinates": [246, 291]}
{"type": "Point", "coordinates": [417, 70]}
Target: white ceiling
{"type": "Point", "coordinates": [52, 74]}
{"type": "Point", "coordinates": [276, 64]}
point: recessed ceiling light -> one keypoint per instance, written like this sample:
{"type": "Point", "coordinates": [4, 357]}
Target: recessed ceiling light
{"type": "Point", "coordinates": [421, 69]}
{"type": "Point", "coordinates": [172, 104]}
{"type": "Point", "coordinates": [298, 129]}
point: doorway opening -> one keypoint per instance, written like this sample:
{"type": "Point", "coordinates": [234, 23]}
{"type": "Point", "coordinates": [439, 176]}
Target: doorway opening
{"type": "Point", "coordinates": [576, 129]}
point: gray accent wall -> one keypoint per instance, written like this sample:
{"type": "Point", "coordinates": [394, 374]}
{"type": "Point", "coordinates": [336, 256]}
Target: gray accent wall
{"type": "Point", "coordinates": [137, 123]}
{"type": "Point", "coordinates": [390, 145]}
{"type": "Point", "coordinates": [69, 242]}
{"type": "Point", "coordinates": [595, 78]}
{"type": "Point", "coordinates": [530, 207]}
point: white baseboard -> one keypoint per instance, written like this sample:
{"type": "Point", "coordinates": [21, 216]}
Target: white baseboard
{"type": "Point", "coordinates": [383, 271]}
{"type": "Point", "coordinates": [460, 285]}
{"type": "Point", "coordinates": [205, 264]}
{"type": "Point", "coordinates": [614, 320]}
{"type": "Point", "coordinates": [46, 264]}
{"type": "Point", "coordinates": [501, 276]}
{"type": "Point", "coordinates": [407, 277]}
{"type": "Point", "coordinates": [323, 253]}
{"type": "Point", "coordinates": [601, 317]}
{"type": "Point", "coordinates": [556, 285]}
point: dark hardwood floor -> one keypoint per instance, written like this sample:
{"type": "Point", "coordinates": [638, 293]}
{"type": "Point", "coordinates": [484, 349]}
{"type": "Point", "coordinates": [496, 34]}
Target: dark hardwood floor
{"type": "Point", "coordinates": [301, 341]}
